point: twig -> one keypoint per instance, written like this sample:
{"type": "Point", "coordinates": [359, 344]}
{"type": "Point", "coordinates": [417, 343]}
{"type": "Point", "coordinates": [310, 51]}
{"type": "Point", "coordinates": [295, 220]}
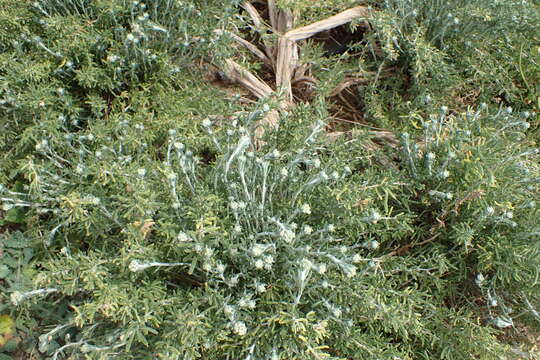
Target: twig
{"type": "Point", "coordinates": [253, 13]}
{"type": "Point", "coordinates": [247, 45]}
{"type": "Point", "coordinates": [345, 84]}
{"type": "Point", "coordinates": [327, 24]}
{"type": "Point", "coordinates": [237, 73]}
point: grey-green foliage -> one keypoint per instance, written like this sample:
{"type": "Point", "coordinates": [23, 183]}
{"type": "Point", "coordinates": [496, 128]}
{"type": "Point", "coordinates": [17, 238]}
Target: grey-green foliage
{"type": "Point", "coordinates": [143, 233]}
{"type": "Point", "coordinates": [454, 52]}
{"type": "Point", "coordinates": [266, 253]}
{"type": "Point", "coordinates": [476, 181]}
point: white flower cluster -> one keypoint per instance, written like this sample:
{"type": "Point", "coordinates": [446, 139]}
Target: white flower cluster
{"type": "Point", "coordinates": [239, 328]}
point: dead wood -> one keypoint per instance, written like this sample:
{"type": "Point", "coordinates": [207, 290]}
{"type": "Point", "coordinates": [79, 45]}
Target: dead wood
{"type": "Point", "coordinates": [244, 77]}
{"type": "Point", "coordinates": [327, 24]}
{"type": "Point", "coordinates": [255, 50]}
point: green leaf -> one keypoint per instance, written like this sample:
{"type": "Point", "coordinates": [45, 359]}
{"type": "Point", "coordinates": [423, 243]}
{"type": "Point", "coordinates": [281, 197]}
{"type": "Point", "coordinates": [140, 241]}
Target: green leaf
{"type": "Point", "coordinates": [7, 327]}
{"type": "Point", "coordinates": [4, 271]}
{"type": "Point", "coordinates": [16, 240]}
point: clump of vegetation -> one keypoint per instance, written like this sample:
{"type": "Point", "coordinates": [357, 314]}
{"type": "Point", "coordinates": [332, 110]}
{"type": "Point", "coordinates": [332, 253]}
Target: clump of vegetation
{"type": "Point", "coordinates": [145, 214]}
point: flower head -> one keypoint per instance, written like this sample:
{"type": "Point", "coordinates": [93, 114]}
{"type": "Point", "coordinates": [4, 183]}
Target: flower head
{"type": "Point", "coordinates": [239, 328]}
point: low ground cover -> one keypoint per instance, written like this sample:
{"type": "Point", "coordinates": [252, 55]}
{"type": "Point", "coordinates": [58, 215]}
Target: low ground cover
{"type": "Point", "coordinates": [269, 179]}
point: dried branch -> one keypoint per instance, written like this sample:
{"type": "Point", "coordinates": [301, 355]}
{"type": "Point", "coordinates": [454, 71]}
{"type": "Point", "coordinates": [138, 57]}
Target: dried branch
{"type": "Point", "coordinates": [253, 13]}
{"type": "Point", "coordinates": [327, 24]}
{"type": "Point", "coordinates": [247, 45]}
{"type": "Point", "coordinates": [237, 73]}
{"type": "Point", "coordinates": [345, 84]}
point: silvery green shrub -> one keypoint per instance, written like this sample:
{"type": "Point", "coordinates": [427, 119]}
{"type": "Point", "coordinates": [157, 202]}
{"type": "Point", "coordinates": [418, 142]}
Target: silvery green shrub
{"type": "Point", "coordinates": [150, 227]}
{"type": "Point", "coordinates": [265, 253]}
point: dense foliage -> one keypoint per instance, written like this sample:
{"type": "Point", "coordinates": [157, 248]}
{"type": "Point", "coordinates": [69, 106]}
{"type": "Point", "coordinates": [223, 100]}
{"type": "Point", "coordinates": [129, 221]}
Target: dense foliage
{"type": "Point", "coordinates": [142, 217]}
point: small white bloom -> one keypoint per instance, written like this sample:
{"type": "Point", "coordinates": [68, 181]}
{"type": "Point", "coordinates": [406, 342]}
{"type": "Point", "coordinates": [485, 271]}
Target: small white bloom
{"type": "Point", "coordinates": [220, 268]}
{"type": "Point", "coordinates": [79, 169]}
{"type": "Point", "coordinates": [490, 211]}
{"type": "Point", "coordinates": [239, 328]}
{"type": "Point", "coordinates": [141, 172]}
{"type": "Point", "coordinates": [112, 58]}
{"type": "Point", "coordinates": [269, 259]}
{"type": "Point", "coordinates": [259, 264]}
{"type": "Point", "coordinates": [287, 235]}
{"type": "Point", "coordinates": [330, 228]}
{"type": "Point", "coordinates": [430, 156]}
{"type": "Point", "coordinates": [258, 249]}
{"type": "Point", "coordinates": [207, 123]}
{"type": "Point", "coordinates": [374, 244]}
{"type": "Point", "coordinates": [317, 163]}
{"type": "Point", "coordinates": [234, 280]}
{"type": "Point", "coordinates": [266, 108]}
{"type": "Point", "coordinates": [356, 258]}
{"type": "Point", "coordinates": [503, 322]}
{"type": "Point", "coordinates": [509, 214]}
{"type": "Point", "coordinates": [135, 266]}
{"type": "Point", "coordinates": [479, 280]}
{"type": "Point", "coordinates": [260, 288]}
{"type": "Point", "coordinates": [228, 310]}
{"type": "Point", "coordinates": [179, 146]}
{"type": "Point", "coordinates": [321, 268]}
{"type": "Point", "coordinates": [306, 209]}
{"type": "Point", "coordinates": [237, 229]}
{"type": "Point", "coordinates": [16, 298]}
{"type": "Point", "coordinates": [208, 252]}
{"type": "Point", "coordinates": [276, 154]}
{"type": "Point", "coordinates": [284, 172]}
{"type": "Point", "coordinates": [350, 271]}
{"type": "Point", "coordinates": [130, 37]}
{"type": "Point", "coordinates": [306, 264]}
{"type": "Point", "coordinates": [444, 174]}
{"type": "Point", "coordinates": [375, 217]}
{"type": "Point", "coordinates": [307, 229]}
